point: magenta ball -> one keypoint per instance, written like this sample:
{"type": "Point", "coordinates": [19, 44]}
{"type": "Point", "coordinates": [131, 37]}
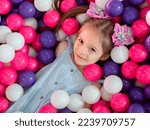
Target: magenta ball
{"type": "Point", "coordinates": [51, 18]}
{"type": "Point", "coordinates": [70, 26]}
{"type": "Point", "coordinates": [138, 53]}
{"type": "Point", "coordinates": [5, 7]}
{"type": "Point", "coordinates": [92, 72]}
{"type": "Point", "coordinates": [24, 49]}
{"type": "Point", "coordinates": [128, 69]}
{"type": "Point", "coordinates": [32, 64]}
{"type": "Point", "coordinates": [8, 75]}
{"type": "Point", "coordinates": [48, 108]}
{"type": "Point", "coordinates": [2, 89]}
{"type": "Point", "coordinates": [37, 44]}
{"type": "Point", "coordinates": [143, 74]}
{"type": "Point", "coordinates": [1, 65]}
{"type": "Point", "coordinates": [143, 12]}
{"type": "Point", "coordinates": [102, 109]}
{"type": "Point", "coordinates": [4, 104]}
{"type": "Point", "coordinates": [140, 28]}
{"type": "Point", "coordinates": [119, 102]}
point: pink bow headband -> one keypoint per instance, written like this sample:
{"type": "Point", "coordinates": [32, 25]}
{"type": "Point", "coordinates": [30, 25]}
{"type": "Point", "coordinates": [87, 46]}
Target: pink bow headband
{"type": "Point", "coordinates": [120, 35]}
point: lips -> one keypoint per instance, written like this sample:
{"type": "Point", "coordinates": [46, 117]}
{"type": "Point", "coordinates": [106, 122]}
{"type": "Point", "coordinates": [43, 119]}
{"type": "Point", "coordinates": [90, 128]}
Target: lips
{"type": "Point", "coordinates": [79, 57]}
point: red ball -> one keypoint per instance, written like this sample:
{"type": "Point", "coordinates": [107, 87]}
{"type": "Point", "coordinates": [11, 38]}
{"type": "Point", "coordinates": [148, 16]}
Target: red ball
{"type": "Point", "coordinates": [36, 44]}
{"type": "Point", "coordinates": [143, 12]}
{"type": "Point", "coordinates": [32, 64]}
{"type": "Point", "coordinates": [119, 102]}
{"type": "Point", "coordinates": [140, 28]}
{"type": "Point", "coordinates": [129, 69]}
{"type": "Point", "coordinates": [116, 19]}
{"type": "Point", "coordinates": [14, 22]}
{"type": "Point", "coordinates": [143, 74]}
{"type": "Point", "coordinates": [48, 108]}
{"type": "Point", "coordinates": [138, 52]}
{"type": "Point", "coordinates": [148, 2]}
{"type": "Point", "coordinates": [4, 104]}
{"type": "Point", "coordinates": [101, 109]}
{"type": "Point", "coordinates": [24, 49]}
{"type": "Point", "coordinates": [91, 1]}
{"type": "Point", "coordinates": [92, 72]}
{"type": "Point", "coordinates": [2, 89]}
{"type": "Point", "coordinates": [5, 6]}
{"type": "Point", "coordinates": [70, 26]}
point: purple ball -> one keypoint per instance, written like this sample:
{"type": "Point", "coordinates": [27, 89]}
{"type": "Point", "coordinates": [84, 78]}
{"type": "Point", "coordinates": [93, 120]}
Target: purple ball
{"type": "Point", "coordinates": [16, 1]}
{"type": "Point", "coordinates": [39, 14]}
{"type": "Point", "coordinates": [110, 68]}
{"type": "Point", "coordinates": [127, 84]}
{"type": "Point", "coordinates": [65, 110]}
{"type": "Point", "coordinates": [137, 2]}
{"type": "Point", "coordinates": [27, 9]}
{"type": "Point", "coordinates": [147, 43]}
{"type": "Point", "coordinates": [147, 91]}
{"type": "Point", "coordinates": [26, 78]}
{"type": "Point", "coordinates": [46, 56]}
{"type": "Point", "coordinates": [81, 2]}
{"type": "Point", "coordinates": [3, 20]}
{"type": "Point", "coordinates": [136, 108]}
{"type": "Point", "coordinates": [147, 107]}
{"type": "Point", "coordinates": [48, 39]}
{"type": "Point", "coordinates": [129, 15]}
{"type": "Point", "coordinates": [41, 26]}
{"type": "Point", "coordinates": [125, 3]}
{"type": "Point", "coordinates": [114, 8]}
{"type": "Point", "coordinates": [136, 94]}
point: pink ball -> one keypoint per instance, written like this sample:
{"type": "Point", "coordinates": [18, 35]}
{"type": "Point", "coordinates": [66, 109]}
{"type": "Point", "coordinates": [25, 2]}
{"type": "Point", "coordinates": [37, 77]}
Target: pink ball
{"type": "Point", "coordinates": [51, 18]}
{"type": "Point", "coordinates": [66, 5]}
{"type": "Point", "coordinates": [92, 72]}
{"type": "Point", "coordinates": [28, 33]}
{"type": "Point", "coordinates": [101, 109]}
{"type": "Point", "coordinates": [20, 61]}
{"type": "Point", "coordinates": [36, 44]}
{"type": "Point", "coordinates": [48, 108]}
{"type": "Point", "coordinates": [119, 102]}
{"type": "Point", "coordinates": [24, 50]}
{"type": "Point", "coordinates": [143, 12]}
{"type": "Point", "coordinates": [138, 52]}
{"type": "Point", "coordinates": [140, 28]}
{"type": "Point", "coordinates": [2, 89]}
{"type": "Point", "coordinates": [5, 6]}
{"type": "Point", "coordinates": [1, 65]}
{"type": "Point", "coordinates": [70, 26]}
{"type": "Point", "coordinates": [148, 1]}
{"type": "Point", "coordinates": [143, 74]}
{"type": "Point", "coordinates": [8, 75]}
{"type": "Point", "coordinates": [116, 19]}
{"type": "Point", "coordinates": [129, 69]}
{"type": "Point", "coordinates": [14, 22]}
{"type": "Point", "coordinates": [4, 104]}
{"type": "Point", "coordinates": [32, 64]}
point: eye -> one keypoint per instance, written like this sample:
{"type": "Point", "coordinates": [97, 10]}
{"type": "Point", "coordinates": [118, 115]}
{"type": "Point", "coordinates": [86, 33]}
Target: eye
{"type": "Point", "coordinates": [92, 49]}
{"type": "Point", "coordinates": [81, 41]}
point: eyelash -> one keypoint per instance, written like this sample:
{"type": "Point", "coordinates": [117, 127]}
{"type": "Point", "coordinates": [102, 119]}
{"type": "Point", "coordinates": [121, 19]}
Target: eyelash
{"type": "Point", "coordinates": [81, 41]}
{"type": "Point", "coordinates": [93, 50]}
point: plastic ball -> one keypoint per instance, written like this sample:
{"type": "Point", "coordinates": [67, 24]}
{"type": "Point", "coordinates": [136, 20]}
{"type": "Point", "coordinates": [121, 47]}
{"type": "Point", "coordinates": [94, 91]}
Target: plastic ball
{"type": "Point", "coordinates": [8, 75]}
{"type": "Point", "coordinates": [147, 107]}
{"type": "Point", "coordinates": [136, 2]}
{"type": "Point", "coordinates": [82, 18]}
{"type": "Point", "coordinates": [43, 6]}
{"type": "Point", "coordinates": [105, 95]}
{"type": "Point", "coordinates": [102, 109]}
{"type": "Point", "coordinates": [114, 8]}
{"type": "Point", "coordinates": [1, 65]}
{"type": "Point", "coordinates": [46, 56]}
{"type": "Point", "coordinates": [75, 102]}
{"type": "Point", "coordinates": [143, 12]}
{"type": "Point", "coordinates": [16, 40]}
{"type": "Point", "coordinates": [15, 2]}
{"type": "Point", "coordinates": [14, 92]}
{"type": "Point", "coordinates": [136, 108]}
{"type": "Point", "coordinates": [119, 54]}
{"type": "Point", "coordinates": [101, 3]}
{"type": "Point", "coordinates": [4, 104]}
{"type": "Point", "coordinates": [113, 84]}
{"type": "Point", "coordinates": [48, 108]}
{"type": "Point", "coordinates": [51, 18]}
{"type": "Point", "coordinates": [127, 84]}
{"type": "Point", "coordinates": [91, 94]}
{"type": "Point", "coordinates": [32, 52]}
{"type": "Point", "coordinates": [24, 49]}
{"type": "Point", "coordinates": [47, 39]}
{"type": "Point", "coordinates": [140, 28]}
{"type": "Point", "coordinates": [116, 19]}
{"type": "Point", "coordinates": [147, 43]}
{"type": "Point", "coordinates": [81, 2]}
{"type": "Point", "coordinates": [92, 72]}
{"type": "Point", "coordinates": [65, 110]}
{"type": "Point", "coordinates": [129, 15]}
{"type": "Point", "coordinates": [138, 53]}
{"type": "Point", "coordinates": [32, 22]}
{"type": "Point", "coordinates": [60, 35]}
{"type": "Point", "coordinates": [70, 26]}
{"type": "Point", "coordinates": [14, 22]}
{"type": "Point", "coordinates": [28, 33]}
{"type": "Point", "coordinates": [147, 91]}
{"type": "Point", "coordinates": [7, 53]}
{"type": "Point", "coordinates": [20, 61]}
{"type": "Point", "coordinates": [59, 99]}
{"type": "Point", "coordinates": [32, 64]}
{"type": "Point", "coordinates": [119, 102]}
{"type": "Point", "coordinates": [37, 44]}
{"type": "Point", "coordinates": [2, 89]}
{"type": "Point", "coordinates": [26, 78]}
{"type": "Point", "coordinates": [84, 110]}
{"type": "Point", "coordinates": [5, 7]}
{"type": "Point", "coordinates": [67, 5]}
{"type": "Point", "coordinates": [129, 68]}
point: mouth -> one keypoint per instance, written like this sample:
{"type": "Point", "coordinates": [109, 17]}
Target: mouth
{"type": "Point", "coordinates": [79, 57]}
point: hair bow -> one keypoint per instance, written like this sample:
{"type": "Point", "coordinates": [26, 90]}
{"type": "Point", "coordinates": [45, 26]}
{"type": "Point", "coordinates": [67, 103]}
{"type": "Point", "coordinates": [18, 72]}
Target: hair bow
{"type": "Point", "coordinates": [95, 12]}
{"type": "Point", "coordinates": [120, 36]}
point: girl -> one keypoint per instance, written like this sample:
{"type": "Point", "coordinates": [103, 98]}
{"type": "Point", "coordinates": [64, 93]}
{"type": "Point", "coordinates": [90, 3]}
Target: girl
{"type": "Point", "coordinates": [93, 43]}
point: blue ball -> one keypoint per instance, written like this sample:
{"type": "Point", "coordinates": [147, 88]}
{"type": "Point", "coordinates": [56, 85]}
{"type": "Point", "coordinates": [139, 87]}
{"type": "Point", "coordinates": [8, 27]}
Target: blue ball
{"type": "Point", "coordinates": [137, 2]}
{"type": "Point", "coordinates": [16, 1]}
{"type": "Point", "coordinates": [136, 108]}
{"type": "Point", "coordinates": [26, 78]}
{"type": "Point", "coordinates": [27, 9]}
{"type": "Point", "coordinates": [46, 56]}
{"type": "Point", "coordinates": [129, 15]}
{"type": "Point", "coordinates": [147, 107]}
{"type": "Point", "coordinates": [147, 91]}
{"type": "Point", "coordinates": [48, 39]}
{"type": "Point", "coordinates": [81, 2]}
{"type": "Point", "coordinates": [65, 110]}
{"type": "Point", "coordinates": [127, 84]}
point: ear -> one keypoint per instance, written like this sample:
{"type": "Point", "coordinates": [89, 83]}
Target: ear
{"type": "Point", "coordinates": [104, 57]}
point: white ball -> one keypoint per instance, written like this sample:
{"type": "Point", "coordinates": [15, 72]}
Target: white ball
{"type": "Point", "coordinates": [60, 35]}
{"type": "Point", "coordinates": [14, 92]}
{"type": "Point", "coordinates": [32, 22]}
{"type": "Point", "coordinates": [113, 84]}
{"type": "Point", "coordinates": [32, 52]}
{"type": "Point", "coordinates": [59, 99]}
{"type": "Point", "coordinates": [43, 6]}
{"type": "Point", "coordinates": [105, 95]}
{"type": "Point", "coordinates": [84, 110]}
{"type": "Point", "coordinates": [148, 18]}
{"type": "Point", "coordinates": [82, 18]}
{"type": "Point", "coordinates": [101, 3]}
{"type": "Point", "coordinates": [119, 54]}
{"type": "Point", "coordinates": [75, 102]}
{"type": "Point", "coordinates": [7, 53]}
{"type": "Point", "coordinates": [91, 94]}
{"type": "Point", "coordinates": [4, 32]}
{"type": "Point", "coordinates": [16, 40]}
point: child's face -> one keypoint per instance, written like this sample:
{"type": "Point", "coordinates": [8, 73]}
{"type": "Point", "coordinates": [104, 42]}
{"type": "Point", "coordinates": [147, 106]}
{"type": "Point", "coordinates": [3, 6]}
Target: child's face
{"type": "Point", "coordinates": [87, 47]}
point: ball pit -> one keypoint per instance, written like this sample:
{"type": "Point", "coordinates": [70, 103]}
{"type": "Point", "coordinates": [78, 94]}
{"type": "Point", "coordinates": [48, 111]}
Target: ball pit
{"type": "Point", "coordinates": [28, 41]}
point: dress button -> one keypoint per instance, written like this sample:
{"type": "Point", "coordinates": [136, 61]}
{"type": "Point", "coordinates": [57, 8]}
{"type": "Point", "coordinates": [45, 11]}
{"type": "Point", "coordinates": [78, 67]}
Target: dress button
{"type": "Point", "coordinates": [71, 70]}
{"type": "Point", "coordinates": [41, 97]}
{"type": "Point", "coordinates": [56, 83]}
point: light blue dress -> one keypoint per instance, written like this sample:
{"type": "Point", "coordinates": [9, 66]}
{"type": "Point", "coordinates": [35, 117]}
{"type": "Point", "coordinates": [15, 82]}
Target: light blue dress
{"type": "Point", "coordinates": [61, 74]}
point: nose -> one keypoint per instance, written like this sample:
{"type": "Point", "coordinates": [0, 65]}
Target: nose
{"type": "Point", "coordinates": [83, 51]}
